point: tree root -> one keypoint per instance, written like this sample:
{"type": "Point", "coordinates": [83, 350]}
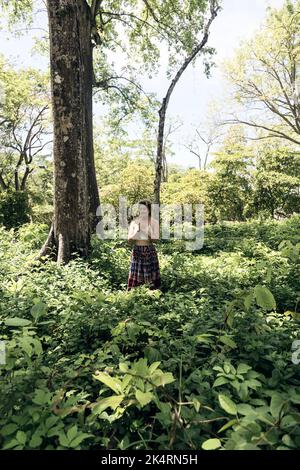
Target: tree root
{"type": "Point", "coordinates": [49, 247]}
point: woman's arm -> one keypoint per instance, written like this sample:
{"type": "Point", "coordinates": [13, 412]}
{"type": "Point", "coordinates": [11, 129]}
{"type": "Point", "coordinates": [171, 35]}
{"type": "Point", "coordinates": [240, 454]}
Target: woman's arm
{"type": "Point", "coordinates": [133, 230]}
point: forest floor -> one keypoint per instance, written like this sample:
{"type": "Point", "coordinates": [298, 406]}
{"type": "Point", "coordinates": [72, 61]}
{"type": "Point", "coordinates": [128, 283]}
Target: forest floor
{"type": "Point", "coordinates": [211, 359]}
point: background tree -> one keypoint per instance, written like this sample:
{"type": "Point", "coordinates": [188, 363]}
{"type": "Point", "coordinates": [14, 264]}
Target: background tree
{"type": "Point", "coordinates": [135, 182]}
{"type": "Point", "coordinates": [209, 137]}
{"type": "Point", "coordinates": [171, 128]}
{"type": "Point", "coordinates": [24, 130]}
{"type": "Point", "coordinates": [230, 189]}
{"type": "Point", "coordinates": [265, 76]}
{"type": "Point", "coordinates": [186, 187]}
{"type": "Point", "coordinates": [124, 165]}
{"type": "Point", "coordinates": [194, 47]}
{"type": "Point", "coordinates": [148, 141]}
{"type": "Point", "coordinates": [276, 180]}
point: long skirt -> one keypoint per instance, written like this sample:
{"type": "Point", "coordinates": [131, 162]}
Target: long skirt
{"type": "Point", "coordinates": [144, 267]}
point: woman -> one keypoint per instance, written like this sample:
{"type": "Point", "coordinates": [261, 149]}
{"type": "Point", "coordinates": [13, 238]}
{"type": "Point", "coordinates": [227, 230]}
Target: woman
{"type": "Point", "coordinates": [144, 266]}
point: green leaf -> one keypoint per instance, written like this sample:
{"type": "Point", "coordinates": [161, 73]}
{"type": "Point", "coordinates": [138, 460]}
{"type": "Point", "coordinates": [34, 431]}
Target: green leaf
{"type": "Point", "coordinates": [38, 310]}
{"type": "Point", "coordinates": [37, 347]}
{"type": "Point", "coordinates": [72, 433]}
{"type": "Point", "coordinates": [140, 367]}
{"type": "Point", "coordinates": [229, 315]}
{"type": "Point", "coordinates": [110, 402]}
{"type": "Point", "coordinates": [228, 425]}
{"type": "Point", "coordinates": [114, 384]}
{"type": "Point", "coordinates": [25, 344]}
{"type": "Point", "coordinates": [8, 429]}
{"type": "Point", "coordinates": [205, 338]}
{"type": "Point", "coordinates": [248, 301]}
{"type": "Point", "coordinates": [220, 381]}
{"type": "Point", "coordinates": [228, 341]}
{"type": "Point", "coordinates": [41, 397]}
{"type": "Point", "coordinates": [247, 446]}
{"type": "Point", "coordinates": [227, 404]}
{"type": "Point", "coordinates": [21, 437]}
{"type": "Point", "coordinates": [78, 439]}
{"type": "Point", "coordinates": [123, 367]}
{"type": "Point", "coordinates": [35, 441]}
{"type": "Point", "coordinates": [144, 397]}
{"type": "Point", "coordinates": [63, 440]}
{"type": "Point", "coordinates": [153, 367]}
{"type": "Point", "coordinates": [211, 444]}
{"type": "Point", "coordinates": [294, 396]}
{"type": "Point", "coordinates": [159, 378]}
{"type": "Point", "coordinates": [16, 321]}
{"type": "Point", "coordinates": [253, 383]}
{"type": "Point", "coordinates": [218, 368]}
{"type": "Point", "coordinates": [243, 393]}
{"type": "Point", "coordinates": [132, 331]}
{"type": "Point", "coordinates": [196, 404]}
{"type": "Point", "coordinates": [245, 409]}
{"type": "Point", "coordinates": [276, 404]}
{"type": "Point", "coordinates": [151, 353]}
{"type": "Point", "coordinates": [126, 380]}
{"type": "Point", "coordinates": [264, 298]}
{"type": "Point", "coordinates": [287, 440]}
{"type": "Point", "coordinates": [243, 368]}
{"type": "Point", "coordinates": [236, 385]}
{"type": "Point", "coordinates": [11, 444]}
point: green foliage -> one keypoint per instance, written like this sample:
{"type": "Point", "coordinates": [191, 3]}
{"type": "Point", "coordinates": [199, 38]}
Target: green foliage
{"type": "Point", "coordinates": [18, 11]}
{"type": "Point", "coordinates": [205, 363]}
{"type": "Point", "coordinates": [137, 386]}
{"type": "Point", "coordinates": [135, 183]}
{"type": "Point", "coordinates": [276, 181]}
{"type": "Point", "coordinates": [246, 181]}
{"type": "Point", "coordinates": [262, 75]}
{"type": "Point", "coordinates": [24, 124]}
{"type": "Point", "coordinates": [144, 26]}
{"type": "Point", "coordinates": [229, 191]}
{"type": "Point", "coordinates": [14, 208]}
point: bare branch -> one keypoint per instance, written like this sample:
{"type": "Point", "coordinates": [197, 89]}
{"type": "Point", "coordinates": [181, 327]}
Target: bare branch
{"type": "Point", "coordinates": [273, 132]}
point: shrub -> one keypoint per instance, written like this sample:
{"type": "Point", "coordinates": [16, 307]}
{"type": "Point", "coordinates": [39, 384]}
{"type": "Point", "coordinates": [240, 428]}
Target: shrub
{"type": "Point", "coordinates": [14, 208]}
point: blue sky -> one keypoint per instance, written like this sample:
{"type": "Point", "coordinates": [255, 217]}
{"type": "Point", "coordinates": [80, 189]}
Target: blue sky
{"type": "Point", "coordinates": [193, 94]}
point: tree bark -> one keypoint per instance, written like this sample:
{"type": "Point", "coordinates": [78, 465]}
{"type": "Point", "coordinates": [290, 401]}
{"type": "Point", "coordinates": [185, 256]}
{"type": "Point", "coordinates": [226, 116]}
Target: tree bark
{"type": "Point", "coordinates": [25, 176]}
{"type": "Point", "coordinates": [93, 192]}
{"type": "Point", "coordinates": [16, 176]}
{"type": "Point", "coordinates": [75, 189]}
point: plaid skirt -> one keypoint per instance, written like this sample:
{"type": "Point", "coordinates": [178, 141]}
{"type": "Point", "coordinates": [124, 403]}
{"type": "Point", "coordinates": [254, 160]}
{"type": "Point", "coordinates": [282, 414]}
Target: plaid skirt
{"type": "Point", "coordinates": [144, 267]}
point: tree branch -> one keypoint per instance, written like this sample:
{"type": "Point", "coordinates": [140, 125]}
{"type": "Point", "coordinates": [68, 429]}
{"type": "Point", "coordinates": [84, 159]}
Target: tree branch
{"type": "Point", "coordinates": [274, 132]}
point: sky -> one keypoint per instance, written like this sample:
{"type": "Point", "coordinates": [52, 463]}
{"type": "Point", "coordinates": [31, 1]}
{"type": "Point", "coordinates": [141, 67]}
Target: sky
{"type": "Point", "coordinates": [190, 101]}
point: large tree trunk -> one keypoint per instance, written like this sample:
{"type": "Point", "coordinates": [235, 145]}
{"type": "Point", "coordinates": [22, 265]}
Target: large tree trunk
{"type": "Point", "coordinates": [75, 189]}
{"type": "Point", "coordinates": [93, 192]}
